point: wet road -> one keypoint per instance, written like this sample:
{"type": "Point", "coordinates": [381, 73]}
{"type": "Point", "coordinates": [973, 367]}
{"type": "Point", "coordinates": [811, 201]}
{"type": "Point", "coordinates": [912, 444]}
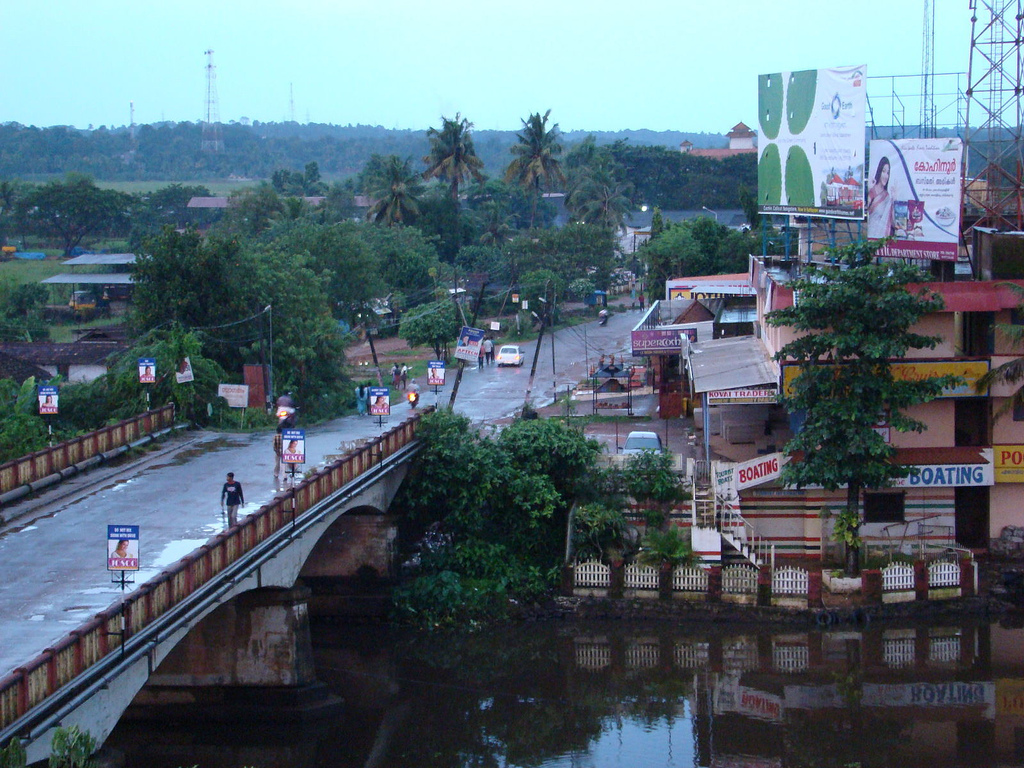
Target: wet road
{"type": "Point", "coordinates": [53, 575]}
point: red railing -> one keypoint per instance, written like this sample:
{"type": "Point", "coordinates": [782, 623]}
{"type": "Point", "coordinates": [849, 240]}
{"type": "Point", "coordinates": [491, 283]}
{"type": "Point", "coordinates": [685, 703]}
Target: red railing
{"type": "Point", "coordinates": [46, 462]}
{"type": "Point", "coordinates": [32, 683]}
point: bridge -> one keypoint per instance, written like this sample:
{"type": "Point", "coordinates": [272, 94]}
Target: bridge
{"type": "Point", "coordinates": [233, 614]}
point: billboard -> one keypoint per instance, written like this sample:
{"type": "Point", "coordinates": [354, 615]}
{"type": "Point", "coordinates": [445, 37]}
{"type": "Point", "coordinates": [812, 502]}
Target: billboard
{"type": "Point", "coordinates": [435, 373]}
{"type": "Point", "coordinates": [914, 193]}
{"type": "Point", "coordinates": [147, 370]}
{"type": "Point", "coordinates": [293, 446]}
{"type": "Point", "coordinates": [811, 148]}
{"type": "Point", "coordinates": [468, 348]}
{"type": "Point", "coordinates": [49, 399]}
{"type": "Point", "coordinates": [380, 401]}
{"type": "Point", "coordinates": [122, 547]}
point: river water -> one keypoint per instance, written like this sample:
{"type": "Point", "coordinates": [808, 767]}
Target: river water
{"type": "Point", "coordinates": [561, 695]}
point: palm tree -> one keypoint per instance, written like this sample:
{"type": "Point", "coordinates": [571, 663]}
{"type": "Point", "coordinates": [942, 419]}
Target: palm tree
{"type": "Point", "coordinates": [601, 199]}
{"type": "Point", "coordinates": [1012, 371]}
{"type": "Point", "coordinates": [535, 163]}
{"type": "Point", "coordinates": [396, 189]}
{"type": "Point", "coordinates": [452, 157]}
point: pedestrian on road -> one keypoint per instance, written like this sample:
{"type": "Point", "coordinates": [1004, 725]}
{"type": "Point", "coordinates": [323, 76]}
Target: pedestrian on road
{"type": "Point", "coordinates": [362, 399]}
{"type": "Point", "coordinates": [396, 375]}
{"type": "Point", "coordinates": [481, 357]}
{"type": "Point", "coordinates": [404, 376]}
{"type": "Point", "coordinates": [278, 445]}
{"type": "Point", "coordinates": [489, 350]}
{"type": "Point", "coordinates": [640, 298]}
{"type": "Point", "coordinates": [232, 496]}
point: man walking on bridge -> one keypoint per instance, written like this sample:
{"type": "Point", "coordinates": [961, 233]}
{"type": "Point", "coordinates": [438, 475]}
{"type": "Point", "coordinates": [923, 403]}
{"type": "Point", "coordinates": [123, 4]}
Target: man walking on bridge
{"type": "Point", "coordinates": [232, 494]}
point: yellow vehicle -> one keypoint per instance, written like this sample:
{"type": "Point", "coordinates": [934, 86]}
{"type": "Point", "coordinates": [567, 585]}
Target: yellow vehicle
{"type": "Point", "coordinates": [82, 302]}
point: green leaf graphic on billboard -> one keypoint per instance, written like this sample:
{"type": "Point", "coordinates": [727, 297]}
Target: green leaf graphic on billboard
{"type": "Point", "coordinates": [769, 104]}
{"type": "Point", "coordinates": [800, 99]}
{"type": "Point", "coordinates": [769, 176]}
{"type": "Point", "coordinates": [799, 179]}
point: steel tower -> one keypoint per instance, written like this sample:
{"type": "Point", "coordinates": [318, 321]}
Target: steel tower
{"type": "Point", "coordinates": [212, 140]}
{"type": "Point", "coordinates": [994, 149]}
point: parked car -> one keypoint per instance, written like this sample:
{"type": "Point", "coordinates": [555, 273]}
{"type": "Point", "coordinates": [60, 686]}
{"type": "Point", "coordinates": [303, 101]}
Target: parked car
{"type": "Point", "coordinates": [510, 354]}
{"type": "Point", "coordinates": [638, 442]}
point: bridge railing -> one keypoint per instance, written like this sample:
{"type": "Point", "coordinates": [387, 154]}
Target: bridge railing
{"type": "Point", "coordinates": [27, 686]}
{"type": "Point", "coordinates": [48, 461]}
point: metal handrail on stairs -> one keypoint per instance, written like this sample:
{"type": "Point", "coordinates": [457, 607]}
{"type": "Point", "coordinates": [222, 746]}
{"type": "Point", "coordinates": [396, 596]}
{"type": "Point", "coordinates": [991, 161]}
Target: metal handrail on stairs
{"type": "Point", "coordinates": [710, 512]}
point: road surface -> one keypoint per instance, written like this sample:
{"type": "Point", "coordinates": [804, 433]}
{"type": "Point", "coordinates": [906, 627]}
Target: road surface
{"type": "Point", "coordinates": [53, 557]}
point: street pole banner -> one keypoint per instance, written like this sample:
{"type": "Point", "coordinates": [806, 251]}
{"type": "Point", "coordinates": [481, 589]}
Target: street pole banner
{"type": "Point", "coordinates": [470, 340]}
{"type": "Point", "coordinates": [811, 148]}
{"type": "Point", "coordinates": [122, 547]}
{"type": "Point", "coordinates": [914, 191]}
{"type": "Point", "coordinates": [48, 399]}
{"type": "Point", "coordinates": [147, 370]}
{"type": "Point", "coordinates": [435, 373]}
{"type": "Point", "coordinates": [380, 401]}
{"type": "Point", "coordinates": [294, 446]}
{"type": "Point", "coordinates": [184, 373]}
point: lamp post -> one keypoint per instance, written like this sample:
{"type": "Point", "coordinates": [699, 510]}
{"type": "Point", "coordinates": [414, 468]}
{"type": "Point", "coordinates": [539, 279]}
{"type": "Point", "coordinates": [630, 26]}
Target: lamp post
{"type": "Point", "coordinates": [705, 208]}
{"type": "Point", "coordinates": [270, 395]}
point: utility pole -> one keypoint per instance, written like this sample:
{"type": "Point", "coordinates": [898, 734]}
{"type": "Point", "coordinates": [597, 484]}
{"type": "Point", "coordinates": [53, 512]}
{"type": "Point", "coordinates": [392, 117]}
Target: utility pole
{"type": "Point", "coordinates": [472, 323]}
{"type": "Point", "coordinates": [536, 352]}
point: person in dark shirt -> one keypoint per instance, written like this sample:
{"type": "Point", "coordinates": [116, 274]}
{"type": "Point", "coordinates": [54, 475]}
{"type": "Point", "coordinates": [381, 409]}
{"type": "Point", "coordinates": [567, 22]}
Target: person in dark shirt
{"type": "Point", "coordinates": [231, 495]}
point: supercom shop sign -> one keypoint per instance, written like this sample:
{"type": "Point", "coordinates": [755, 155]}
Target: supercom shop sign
{"type": "Point", "coordinates": [660, 341]}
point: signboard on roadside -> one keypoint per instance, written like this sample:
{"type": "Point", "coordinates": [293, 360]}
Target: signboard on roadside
{"type": "Point", "coordinates": [293, 446]}
{"type": "Point", "coordinates": [48, 399]}
{"type": "Point", "coordinates": [147, 370]}
{"type": "Point", "coordinates": [380, 401]}
{"type": "Point", "coordinates": [237, 395]}
{"type": "Point", "coordinates": [468, 348]}
{"type": "Point", "coordinates": [122, 547]}
{"type": "Point", "coordinates": [435, 373]}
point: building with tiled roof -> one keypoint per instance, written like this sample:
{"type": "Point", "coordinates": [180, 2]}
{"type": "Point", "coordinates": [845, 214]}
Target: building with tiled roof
{"type": "Point", "coordinates": [742, 141]}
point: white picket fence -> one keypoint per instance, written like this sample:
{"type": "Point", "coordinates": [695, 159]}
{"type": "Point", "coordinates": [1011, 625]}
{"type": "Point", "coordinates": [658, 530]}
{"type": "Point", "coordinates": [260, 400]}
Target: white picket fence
{"type": "Point", "coordinates": [641, 577]}
{"type": "Point", "coordinates": [790, 581]}
{"type": "Point", "coordinates": [739, 580]}
{"type": "Point", "coordinates": [690, 579]}
{"type": "Point", "coordinates": [897, 577]}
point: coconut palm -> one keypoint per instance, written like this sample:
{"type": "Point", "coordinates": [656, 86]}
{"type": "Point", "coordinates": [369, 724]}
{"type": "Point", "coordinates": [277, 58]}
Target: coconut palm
{"type": "Point", "coordinates": [1012, 371]}
{"type": "Point", "coordinates": [452, 157]}
{"type": "Point", "coordinates": [535, 163]}
{"type": "Point", "coordinates": [396, 188]}
{"type": "Point", "coordinates": [601, 199]}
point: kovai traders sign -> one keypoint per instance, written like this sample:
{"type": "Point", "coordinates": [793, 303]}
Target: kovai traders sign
{"type": "Point", "coordinates": [914, 197]}
{"type": "Point", "coordinates": [811, 148]}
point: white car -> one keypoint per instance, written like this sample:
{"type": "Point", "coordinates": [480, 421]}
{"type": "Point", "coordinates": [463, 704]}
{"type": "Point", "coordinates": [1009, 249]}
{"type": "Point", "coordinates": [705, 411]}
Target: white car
{"type": "Point", "coordinates": [638, 442]}
{"type": "Point", "coordinates": [510, 354]}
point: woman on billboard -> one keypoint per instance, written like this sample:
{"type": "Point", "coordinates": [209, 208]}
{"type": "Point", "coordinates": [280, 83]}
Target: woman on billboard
{"type": "Point", "coordinates": [880, 215]}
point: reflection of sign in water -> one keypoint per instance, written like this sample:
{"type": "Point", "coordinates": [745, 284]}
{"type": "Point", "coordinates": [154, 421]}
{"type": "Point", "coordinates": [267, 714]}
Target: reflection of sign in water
{"type": "Point", "coordinates": [435, 373]}
{"type": "Point", "coordinates": [147, 370]}
{"type": "Point", "coordinates": [380, 401]}
{"type": "Point", "coordinates": [122, 547]}
{"type": "Point", "coordinates": [293, 445]}
{"type": "Point", "coordinates": [47, 399]}
{"type": "Point", "coordinates": [470, 340]}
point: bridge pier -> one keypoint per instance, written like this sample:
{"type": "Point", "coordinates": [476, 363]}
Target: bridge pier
{"type": "Point", "coordinates": [251, 658]}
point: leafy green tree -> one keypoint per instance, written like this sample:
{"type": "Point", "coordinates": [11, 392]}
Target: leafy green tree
{"type": "Point", "coordinates": [168, 206]}
{"type": "Point", "coordinates": [185, 278]}
{"type": "Point", "coordinates": [22, 430]}
{"type": "Point", "coordinates": [661, 548]}
{"type": "Point", "coordinates": [251, 211]}
{"type": "Point", "coordinates": [13, 755]}
{"type": "Point", "coordinates": [396, 188]}
{"type": "Point", "coordinates": [339, 253]}
{"type": "Point", "coordinates": [452, 158]}
{"type": "Point", "coordinates": [405, 256]}
{"type": "Point", "coordinates": [72, 748]}
{"type": "Point", "coordinates": [853, 319]}
{"type": "Point", "coordinates": [72, 209]}
{"type": "Point", "coordinates": [433, 325]}
{"type": "Point", "coordinates": [535, 163]}
{"type": "Point", "coordinates": [596, 189]}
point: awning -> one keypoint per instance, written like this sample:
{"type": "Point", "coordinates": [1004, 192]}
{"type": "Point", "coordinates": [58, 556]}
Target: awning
{"type": "Point", "coordinates": [732, 363]}
{"type": "Point", "coordinates": [89, 279]}
{"type": "Point", "coordinates": [101, 258]}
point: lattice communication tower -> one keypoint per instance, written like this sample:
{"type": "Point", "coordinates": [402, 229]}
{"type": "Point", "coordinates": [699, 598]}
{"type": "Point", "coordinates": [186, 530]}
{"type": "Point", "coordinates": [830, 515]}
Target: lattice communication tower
{"type": "Point", "coordinates": [212, 140]}
{"type": "Point", "coordinates": [994, 150]}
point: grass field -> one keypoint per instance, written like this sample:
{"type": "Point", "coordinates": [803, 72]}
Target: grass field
{"type": "Point", "coordinates": [217, 188]}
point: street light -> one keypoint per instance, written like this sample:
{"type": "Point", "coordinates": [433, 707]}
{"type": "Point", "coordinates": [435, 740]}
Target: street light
{"type": "Point", "coordinates": [705, 208]}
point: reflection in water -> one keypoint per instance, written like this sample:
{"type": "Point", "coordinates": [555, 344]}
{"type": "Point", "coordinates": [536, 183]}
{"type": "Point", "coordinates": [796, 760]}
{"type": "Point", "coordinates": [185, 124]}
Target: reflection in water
{"type": "Point", "coordinates": [619, 695]}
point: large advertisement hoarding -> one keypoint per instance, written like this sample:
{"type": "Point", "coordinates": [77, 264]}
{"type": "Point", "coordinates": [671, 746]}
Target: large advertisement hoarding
{"type": "Point", "coordinates": [811, 148]}
{"type": "Point", "coordinates": [914, 196]}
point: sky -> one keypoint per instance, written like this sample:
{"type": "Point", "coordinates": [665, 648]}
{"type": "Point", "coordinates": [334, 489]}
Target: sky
{"type": "Point", "coordinates": [683, 65]}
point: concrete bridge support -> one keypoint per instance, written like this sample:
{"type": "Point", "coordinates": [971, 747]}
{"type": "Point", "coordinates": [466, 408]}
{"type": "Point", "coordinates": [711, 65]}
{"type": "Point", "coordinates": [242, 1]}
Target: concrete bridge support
{"type": "Point", "coordinates": [250, 658]}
